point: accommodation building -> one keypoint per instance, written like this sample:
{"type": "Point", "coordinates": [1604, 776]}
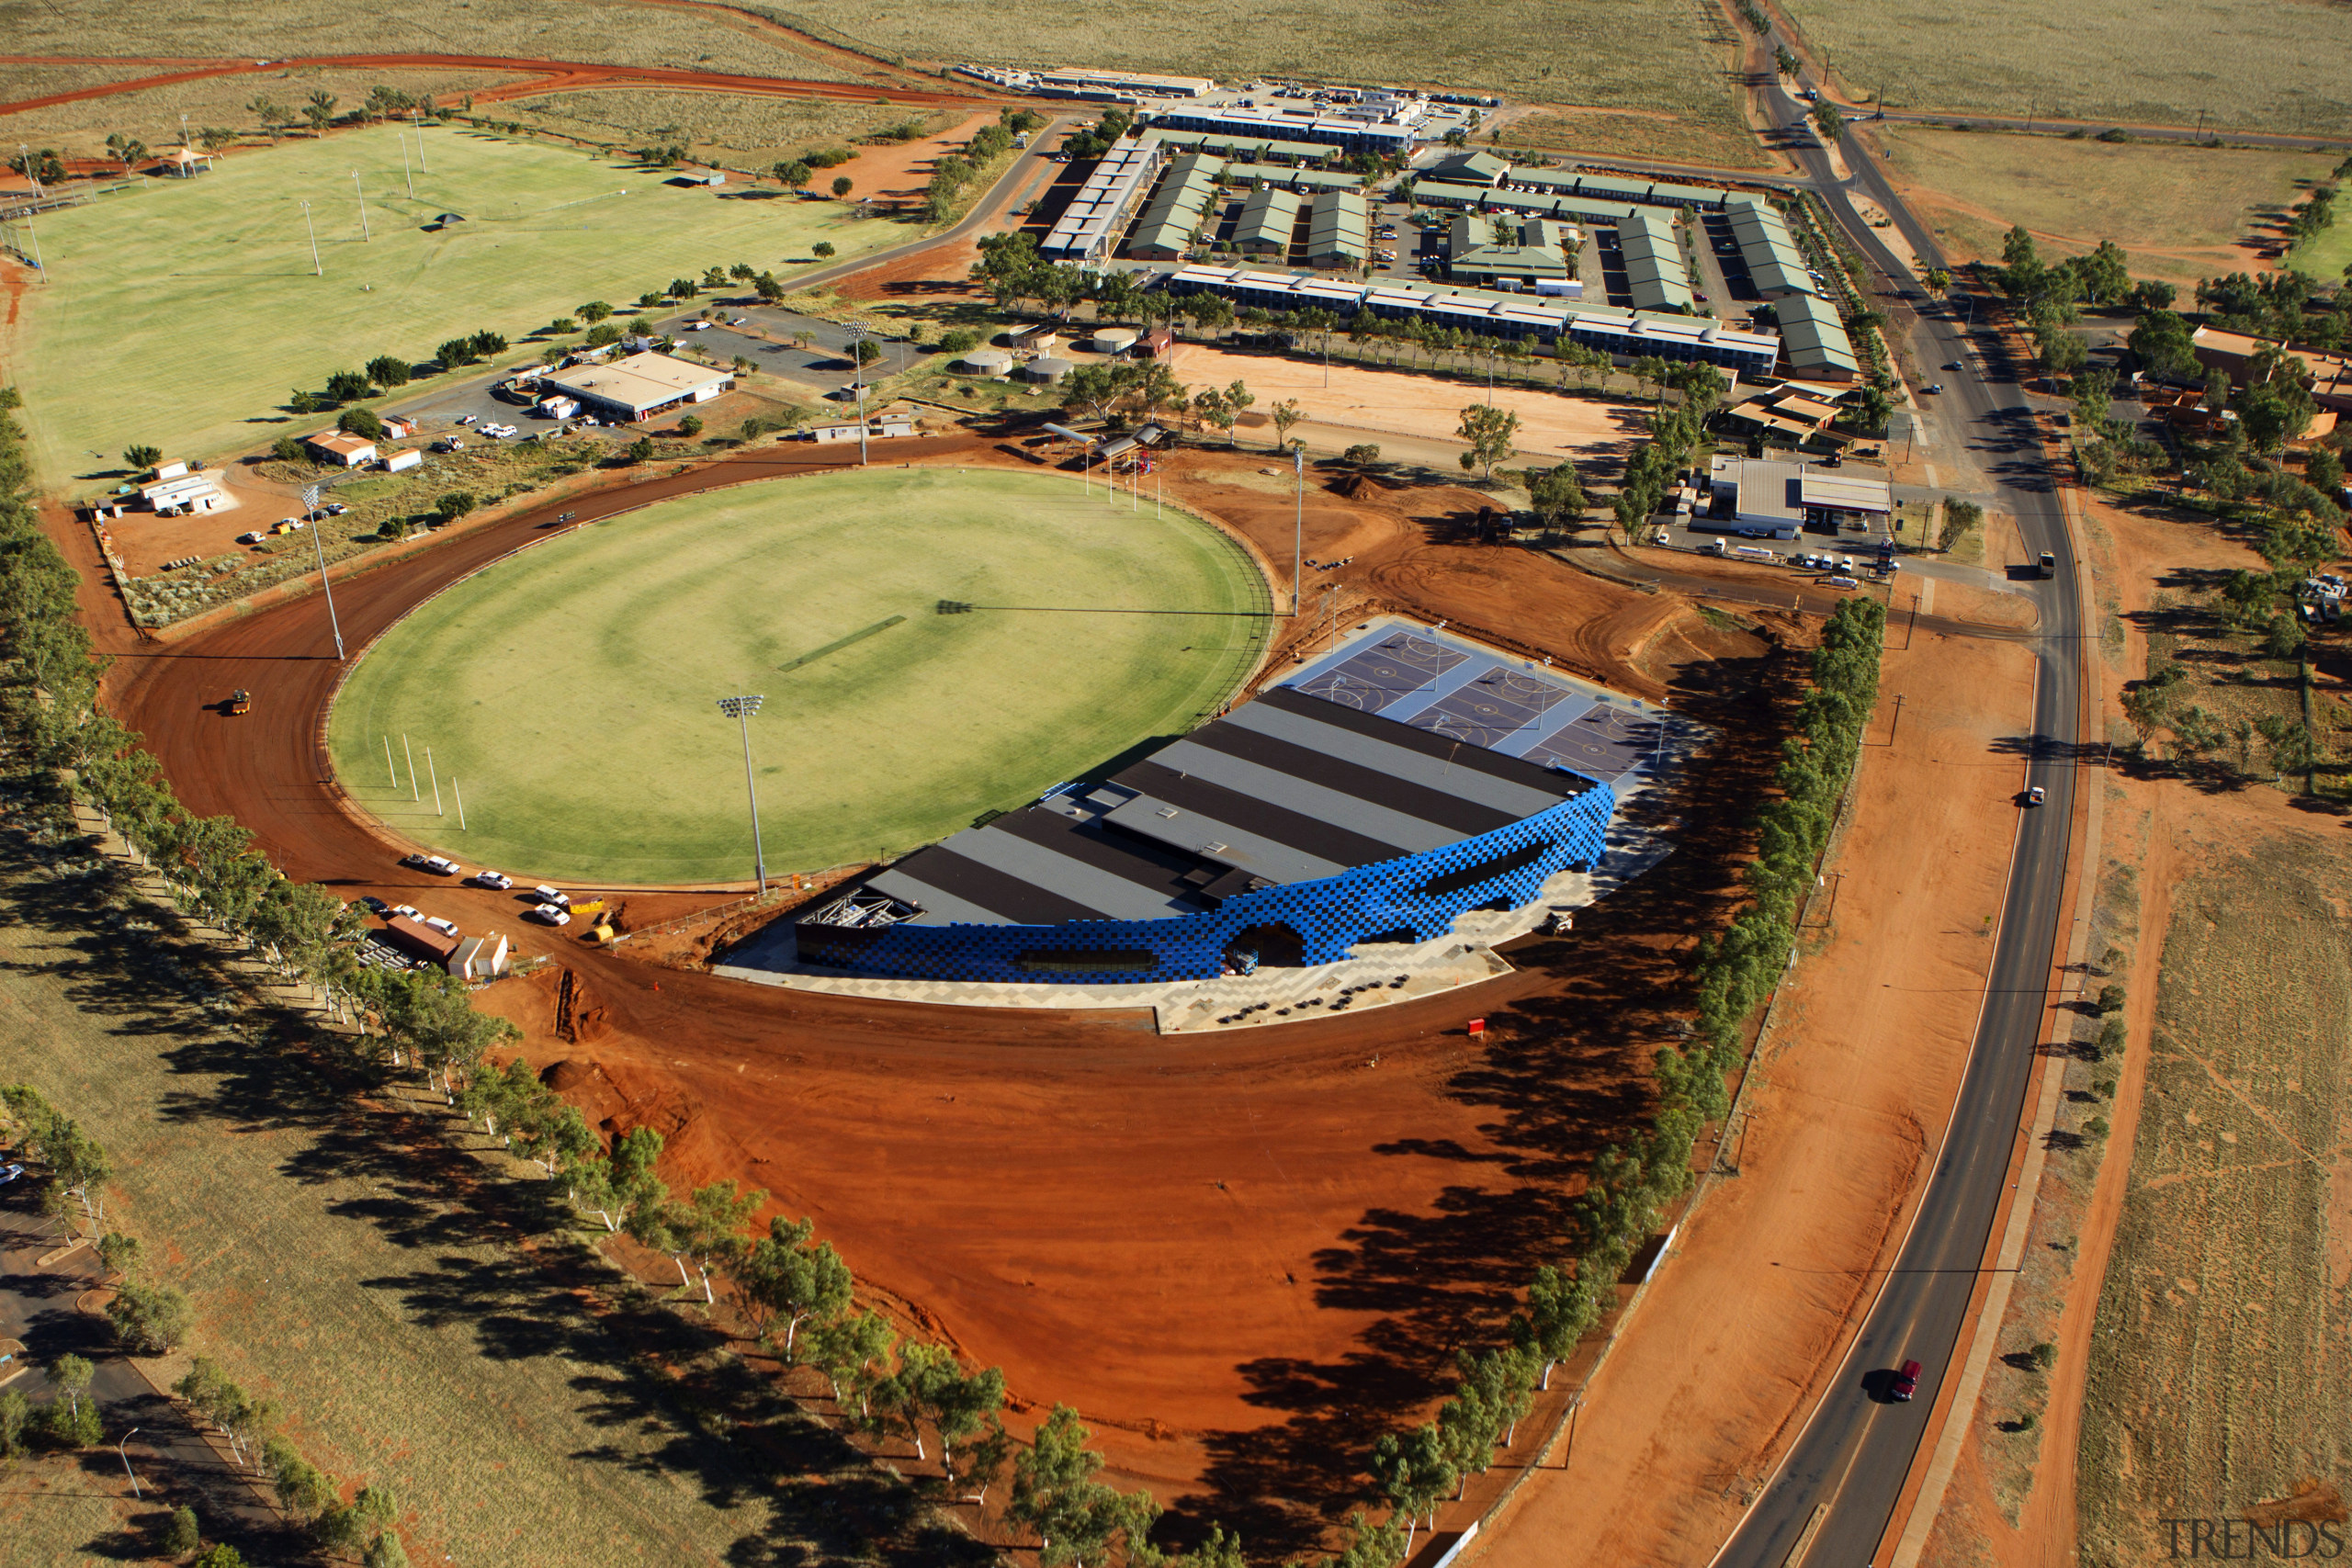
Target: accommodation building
{"type": "Point", "coordinates": [1184, 194]}
{"type": "Point", "coordinates": [1813, 339]}
{"type": "Point", "coordinates": [1268, 219]}
{"type": "Point", "coordinates": [183, 494]}
{"type": "Point", "coordinates": [342, 451]}
{"type": "Point", "coordinates": [1339, 231]}
{"type": "Point", "coordinates": [1475, 257]}
{"type": "Point", "coordinates": [1656, 274]}
{"type": "Point", "coordinates": [1393, 136]}
{"type": "Point", "coordinates": [1089, 229]}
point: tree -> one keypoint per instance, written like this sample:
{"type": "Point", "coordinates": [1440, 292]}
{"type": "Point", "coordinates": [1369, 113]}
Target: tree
{"type": "Point", "coordinates": [2163, 344]}
{"type": "Point", "coordinates": [822, 250]}
{"type": "Point", "coordinates": [142, 457]}
{"type": "Point", "coordinates": [594, 311]}
{"type": "Point", "coordinates": [1363, 454]}
{"type": "Point", "coordinates": [841, 185]}
{"type": "Point", "coordinates": [319, 110]}
{"type": "Point", "coordinates": [457, 351]}
{"type": "Point", "coordinates": [2105, 273]}
{"type": "Point", "coordinates": [126, 150]}
{"type": "Point", "coordinates": [1828, 122]}
{"type": "Point", "coordinates": [222, 1555]}
{"type": "Point", "coordinates": [852, 1351]}
{"type": "Point", "coordinates": [118, 1253]}
{"type": "Point", "coordinates": [931, 1386]}
{"type": "Point", "coordinates": [683, 288]}
{"type": "Point", "coordinates": [347, 386]}
{"type": "Point", "coordinates": [272, 116]}
{"type": "Point", "coordinates": [792, 174]}
{"type": "Point", "coordinates": [1237, 400]}
{"type": "Point", "coordinates": [388, 370]}
{"type": "Point", "coordinates": [361, 422]}
{"type": "Point", "coordinates": [150, 1320]}
{"type": "Point", "coordinates": [641, 449]}
{"type": "Point", "coordinates": [1055, 1494]}
{"type": "Point", "coordinates": [783, 1276]}
{"type": "Point", "coordinates": [302, 1489]}
{"type": "Point", "coordinates": [487, 343]}
{"type": "Point", "coordinates": [2324, 471]}
{"type": "Point", "coordinates": [15, 1414]}
{"type": "Point", "coordinates": [180, 1537]}
{"type": "Point", "coordinates": [453, 505]}
{"type": "Point", "coordinates": [1784, 62]}
{"type": "Point", "coordinates": [72, 1375]}
{"type": "Point", "coordinates": [1487, 430]}
{"type": "Point", "coordinates": [1556, 494]}
{"type": "Point", "coordinates": [384, 1551]}
{"type": "Point", "coordinates": [1284, 414]}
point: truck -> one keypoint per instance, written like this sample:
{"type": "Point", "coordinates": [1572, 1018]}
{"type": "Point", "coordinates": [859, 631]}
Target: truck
{"type": "Point", "coordinates": [2047, 565]}
{"type": "Point", "coordinates": [241, 701]}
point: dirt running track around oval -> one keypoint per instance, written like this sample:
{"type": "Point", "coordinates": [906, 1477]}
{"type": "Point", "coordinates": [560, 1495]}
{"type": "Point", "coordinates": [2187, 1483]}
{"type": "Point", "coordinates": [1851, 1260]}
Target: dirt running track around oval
{"type": "Point", "coordinates": [546, 77]}
{"type": "Point", "coordinates": [1240, 1256]}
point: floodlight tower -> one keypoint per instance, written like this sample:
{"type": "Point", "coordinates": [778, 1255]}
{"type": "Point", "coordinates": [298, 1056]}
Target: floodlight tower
{"type": "Point", "coordinates": [740, 710]}
{"type": "Point", "coordinates": [858, 333]}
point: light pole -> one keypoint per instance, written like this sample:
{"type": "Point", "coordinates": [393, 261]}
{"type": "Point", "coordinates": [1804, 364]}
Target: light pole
{"type": "Point", "coordinates": [365, 237]}
{"type": "Point", "coordinates": [406, 173]}
{"type": "Point", "coordinates": [740, 710]}
{"type": "Point", "coordinates": [418, 115]}
{"type": "Point", "coordinates": [858, 333]}
{"type": "Point", "coordinates": [32, 177]}
{"type": "Point", "coordinates": [1298, 527]}
{"type": "Point", "coordinates": [317, 269]}
{"type": "Point", "coordinates": [120, 1450]}
{"type": "Point", "coordinates": [311, 515]}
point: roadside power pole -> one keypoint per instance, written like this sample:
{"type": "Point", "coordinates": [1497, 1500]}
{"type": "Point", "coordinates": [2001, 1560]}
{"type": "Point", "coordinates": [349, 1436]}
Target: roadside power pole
{"type": "Point", "coordinates": [740, 710]}
{"type": "Point", "coordinates": [310, 519]}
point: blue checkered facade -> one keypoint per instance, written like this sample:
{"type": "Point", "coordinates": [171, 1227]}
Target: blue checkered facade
{"type": "Point", "coordinates": [1331, 915]}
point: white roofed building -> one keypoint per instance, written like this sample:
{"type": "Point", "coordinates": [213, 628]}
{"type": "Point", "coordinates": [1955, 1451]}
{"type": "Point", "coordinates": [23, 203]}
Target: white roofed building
{"type": "Point", "coordinates": [642, 385]}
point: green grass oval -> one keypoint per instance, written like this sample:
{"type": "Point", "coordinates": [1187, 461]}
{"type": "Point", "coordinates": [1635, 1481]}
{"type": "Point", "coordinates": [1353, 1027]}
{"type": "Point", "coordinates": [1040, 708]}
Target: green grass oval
{"type": "Point", "coordinates": [932, 645]}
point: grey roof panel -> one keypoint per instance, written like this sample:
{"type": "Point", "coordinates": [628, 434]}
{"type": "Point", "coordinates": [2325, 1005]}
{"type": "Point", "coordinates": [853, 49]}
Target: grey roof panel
{"type": "Point", "coordinates": [939, 909]}
{"type": "Point", "coordinates": [1193, 832]}
{"type": "Point", "coordinates": [1433, 771]}
{"type": "Point", "coordinates": [1300, 794]}
{"type": "Point", "coordinates": [1116, 897]}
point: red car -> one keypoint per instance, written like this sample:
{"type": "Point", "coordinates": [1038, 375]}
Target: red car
{"type": "Point", "coordinates": [1906, 1382]}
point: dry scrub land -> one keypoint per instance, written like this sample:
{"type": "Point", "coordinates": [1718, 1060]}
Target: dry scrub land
{"type": "Point", "coordinates": [2284, 66]}
{"type": "Point", "coordinates": [726, 126]}
{"type": "Point", "coordinates": [79, 129]}
{"type": "Point", "coordinates": [2181, 212]}
{"type": "Point", "coordinates": [2218, 1376]}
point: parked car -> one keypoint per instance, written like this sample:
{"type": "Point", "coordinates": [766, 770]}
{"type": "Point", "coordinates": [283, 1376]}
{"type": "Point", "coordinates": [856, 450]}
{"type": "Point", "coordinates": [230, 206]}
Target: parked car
{"type": "Point", "coordinates": [336, 509]}
{"type": "Point", "coordinates": [546, 895]}
{"type": "Point", "coordinates": [492, 879]}
{"type": "Point", "coordinates": [439, 865]}
{"type": "Point", "coordinates": [9, 1173]}
{"type": "Point", "coordinates": [255, 537]}
{"type": "Point", "coordinates": [551, 914]}
{"type": "Point", "coordinates": [464, 419]}
{"type": "Point", "coordinates": [1906, 1382]}
{"type": "Point", "coordinates": [446, 928]}
{"type": "Point", "coordinates": [410, 910]}
{"type": "Point", "coordinates": [695, 327]}
{"type": "Point", "coordinates": [375, 906]}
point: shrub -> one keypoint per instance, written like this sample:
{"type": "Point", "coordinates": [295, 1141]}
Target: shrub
{"type": "Point", "coordinates": [454, 505]}
{"type": "Point", "coordinates": [2044, 1356]}
{"type": "Point", "coordinates": [150, 1320]}
{"type": "Point", "coordinates": [840, 185]}
{"type": "Point", "coordinates": [690, 426]}
{"type": "Point", "coordinates": [286, 449]}
{"type": "Point", "coordinates": [821, 250]}
{"type": "Point", "coordinates": [958, 341]}
{"type": "Point", "coordinates": [181, 1537]}
{"type": "Point", "coordinates": [222, 1556]}
{"type": "Point", "coordinates": [683, 288]}
{"type": "Point", "coordinates": [487, 343]}
{"type": "Point", "coordinates": [561, 325]}
{"type": "Point", "coordinates": [2110, 1000]}
{"type": "Point", "coordinates": [647, 300]}
{"type": "Point", "coordinates": [70, 1424]}
{"type": "Point", "coordinates": [1362, 452]}
{"type": "Point", "coordinates": [15, 1414]}
{"type": "Point", "coordinates": [641, 449]}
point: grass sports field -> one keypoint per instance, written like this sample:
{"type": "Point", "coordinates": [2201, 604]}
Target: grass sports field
{"type": "Point", "coordinates": [181, 314]}
{"type": "Point", "coordinates": [571, 690]}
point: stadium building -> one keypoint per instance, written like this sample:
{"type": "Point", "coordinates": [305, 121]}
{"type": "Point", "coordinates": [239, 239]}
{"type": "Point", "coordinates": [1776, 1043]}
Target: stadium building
{"type": "Point", "coordinates": [1397, 784]}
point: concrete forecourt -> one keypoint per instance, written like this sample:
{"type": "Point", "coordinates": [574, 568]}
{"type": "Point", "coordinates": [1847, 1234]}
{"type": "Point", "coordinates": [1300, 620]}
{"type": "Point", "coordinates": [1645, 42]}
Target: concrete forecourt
{"type": "Point", "coordinates": [933, 645]}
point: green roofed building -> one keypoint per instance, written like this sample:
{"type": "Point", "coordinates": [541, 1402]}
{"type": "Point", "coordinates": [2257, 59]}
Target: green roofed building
{"type": "Point", "coordinates": [1186, 192]}
{"type": "Point", "coordinates": [1656, 274]}
{"type": "Point", "coordinates": [1268, 221]}
{"type": "Point", "coordinates": [1339, 232]}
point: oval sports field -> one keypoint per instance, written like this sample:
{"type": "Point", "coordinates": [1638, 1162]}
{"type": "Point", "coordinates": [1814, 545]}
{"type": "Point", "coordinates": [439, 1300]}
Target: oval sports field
{"type": "Point", "coordinates": [933, 645]}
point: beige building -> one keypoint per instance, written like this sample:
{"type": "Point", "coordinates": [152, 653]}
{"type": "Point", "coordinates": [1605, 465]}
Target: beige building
{"type": "Point", "coordinates": [642, 385]}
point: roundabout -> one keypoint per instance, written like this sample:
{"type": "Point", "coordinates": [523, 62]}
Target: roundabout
{"type": "Point", "coordinates": [934, 645]}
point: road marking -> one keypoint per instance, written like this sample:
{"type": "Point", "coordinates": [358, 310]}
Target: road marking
{"type": "Point", "coordinates": [1932, 480]}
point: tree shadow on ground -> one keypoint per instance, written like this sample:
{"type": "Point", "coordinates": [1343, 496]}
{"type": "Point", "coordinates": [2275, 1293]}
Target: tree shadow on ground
{"type": "Point", "coordinates": [799, 1490]}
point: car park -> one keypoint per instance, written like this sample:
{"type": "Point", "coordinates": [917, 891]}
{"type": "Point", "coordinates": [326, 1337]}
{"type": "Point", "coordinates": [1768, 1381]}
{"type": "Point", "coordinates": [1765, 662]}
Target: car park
{"type": "Point", "coordinates": [499, 880]}
{"type": "Point", "coordinates": [1906, 1383]}
{"type": "Point", "coordinates": [446, 928]}
{"type": "Point", "coordinates": [546, 895]}
{"type": "Point", "coordinates": [550, 914]}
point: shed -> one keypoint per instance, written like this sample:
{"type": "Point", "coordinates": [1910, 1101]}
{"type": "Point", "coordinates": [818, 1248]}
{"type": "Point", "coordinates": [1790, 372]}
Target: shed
{"type": "Point", "coordinates": [419, 941]}
{"type": "Point", "coordinates": [399, 427]}
{"type": "Point", "coordinates": [478, 958]}
{"type": "Point", "coordinates": [398, 462]}
{"type": "Point", "coordinates": [1114, 340]}
{"type": "Point", "coordinates": [986, 362]}
{"type": "Point", "coordinates": [1046, 369]}
{"type": "Point", "coordinates": [344, 451]}
{"type": "Point", "coordinates": [170, 472]}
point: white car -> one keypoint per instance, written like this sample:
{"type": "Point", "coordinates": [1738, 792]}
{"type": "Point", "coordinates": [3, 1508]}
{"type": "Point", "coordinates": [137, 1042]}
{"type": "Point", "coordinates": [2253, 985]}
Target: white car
{"type": "Point", "coordinates": [464, 419]}
{"type": "Point", "coordinates": [446, 928]}
{"type": "Point", "coordinates": [9, 1173]}
{"type": "Point", "coordinates": [551, 914]}
{"type": "Point", "coordinates": [549, 895]}
{"type": "Point", "coordinates": [695, 327]}
{"type": "Point", "coordinates": [255, 537]}
{"type": "Point", "coordinates": [492, 879]}
{"type": "Point", "coordinates": [410, 910]}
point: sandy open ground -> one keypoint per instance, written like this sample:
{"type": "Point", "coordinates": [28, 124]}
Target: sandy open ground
{"type": "Point", "coordinates": [1411, 402]}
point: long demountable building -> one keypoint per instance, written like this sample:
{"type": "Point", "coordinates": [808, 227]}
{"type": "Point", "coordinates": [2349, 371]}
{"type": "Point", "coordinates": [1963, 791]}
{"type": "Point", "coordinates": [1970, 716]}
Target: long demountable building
{"type": "Point", "coordinates": [1774, 264]}
{"type": "Point", "coordinates": [1089, 229]}
{"type": "Point", "coordinates": [1268, 220]}
{"type": "Point", "coordinates": [1339, 231]}
{"type": "Point", "coordinates": [1814, 344]}
{"type": "Point", "coordinates": [1166, 230]}
{"type": "Point", "coordinates": [1395, 136]}
{"type": "Point", "coordinates": [1656, 274]}
{"type": "Point", "coordinates": [1066, 82]}
{"type": "Point", "coordinates": [1516, 317]}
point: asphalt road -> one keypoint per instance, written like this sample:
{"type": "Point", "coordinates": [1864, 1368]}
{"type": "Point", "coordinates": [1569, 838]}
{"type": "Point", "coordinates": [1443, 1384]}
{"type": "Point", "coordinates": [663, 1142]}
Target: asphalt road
{"type": "Point", "coordinates": [1849, 1462]}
